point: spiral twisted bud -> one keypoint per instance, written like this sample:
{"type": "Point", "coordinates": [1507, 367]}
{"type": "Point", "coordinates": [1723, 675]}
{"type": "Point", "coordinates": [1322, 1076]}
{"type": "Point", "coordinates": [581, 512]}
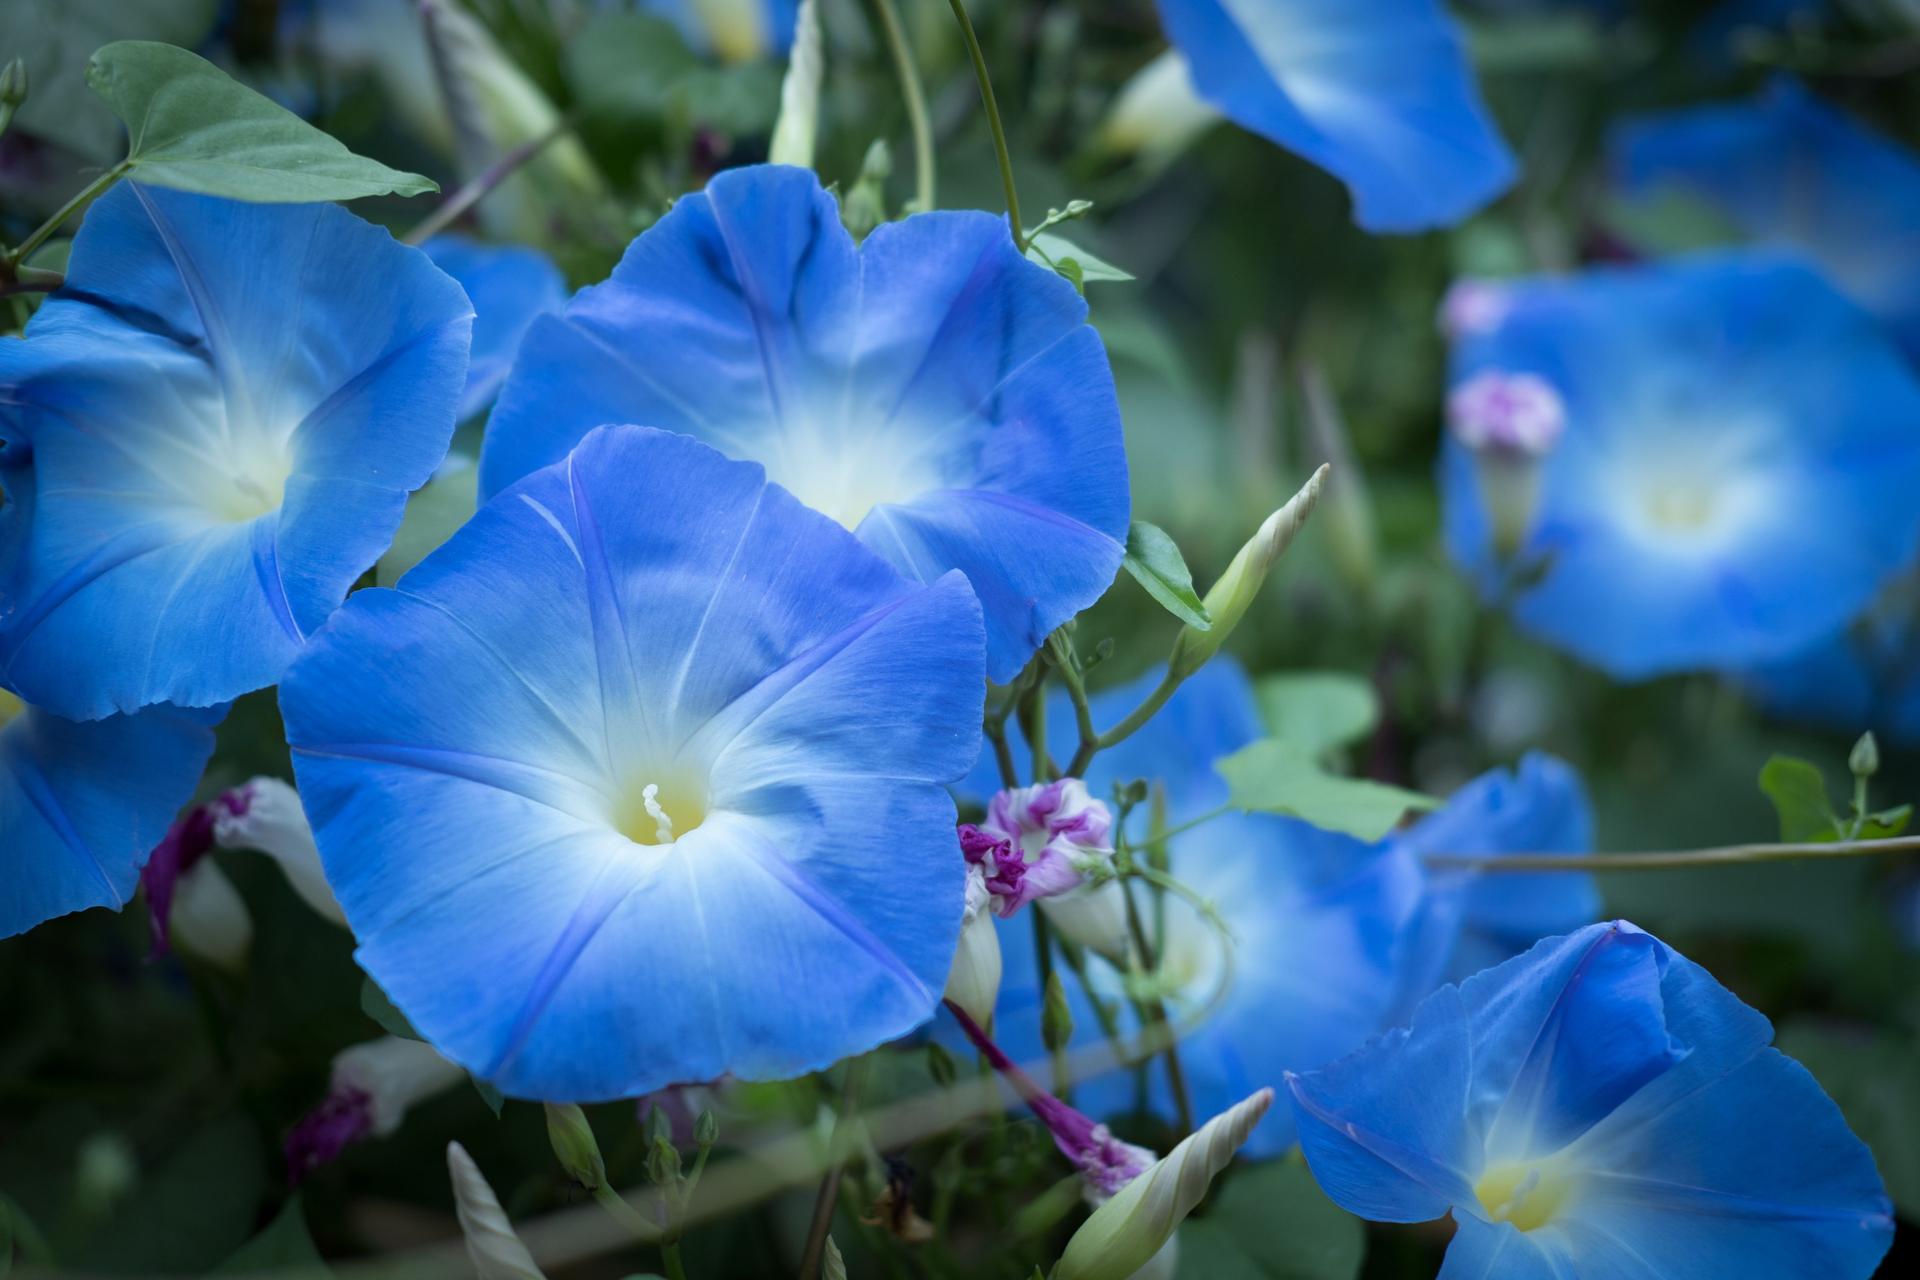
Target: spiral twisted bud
{"type": "Point", "coordinates": [495, 1250]}
{"type": "Point", "coordinates": [1229, 598]}
{"type": "Point", "coordinates": [1125, 1233]}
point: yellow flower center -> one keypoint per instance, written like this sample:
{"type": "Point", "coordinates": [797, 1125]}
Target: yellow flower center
{"type": "Point", "coordinates": [1529, 1194]}
{"type": "Point", "coordinates": [660, 806]}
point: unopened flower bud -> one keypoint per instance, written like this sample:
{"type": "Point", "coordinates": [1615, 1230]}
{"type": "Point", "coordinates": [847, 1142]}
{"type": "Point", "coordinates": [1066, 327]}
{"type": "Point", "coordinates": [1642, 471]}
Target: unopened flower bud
{"type": "Point", "coordinates": [973, 982]}
{"type": "Point", "coordinates": [663, 1163]}
{"type": "Point", "coordinates": [706, 1130]}
{"type": "Point", "coordinates": [209, 917]}
{"type": "Point", "coordinates": [1056, 1015]}
{"type": "Point", "coordinates": [1864, 760]}
{"type": "Point", "coordinates": [1229, 598]}
{"type": "Point", "coordinates": [574, 1145]}
{"type": "Point", "coordinates": [1125, 1234]}
{"type": "Point", "coordinates": [1157, 112]}
{"type": "Point", "coordinates": [1509, 422]}
{"type": "Point", "coordinates": [495, 1251]}
{"type": "Point", "coordinates": [14, 84]}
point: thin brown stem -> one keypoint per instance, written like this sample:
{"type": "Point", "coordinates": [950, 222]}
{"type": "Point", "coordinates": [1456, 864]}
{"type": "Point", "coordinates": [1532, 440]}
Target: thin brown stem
{"type": "Point", "coordinates": [1720, 856]}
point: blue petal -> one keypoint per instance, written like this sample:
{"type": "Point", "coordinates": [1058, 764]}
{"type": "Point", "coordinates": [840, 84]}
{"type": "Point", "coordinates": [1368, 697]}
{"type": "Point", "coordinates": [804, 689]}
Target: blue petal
{"type": "Point", "coordinates": [470, 747]}
{"type": "Point", "coordinates": [1482, 1250]}
{"type": "Point", "coordinates": [1734, 480]}
{"type": "Point", "coordinates": [1541, 807]}
{"type": "Point", "coordinates": [509, 287]}
{"type": "Point", "coordinates": [225, 408]}
{"type": "Point", "coordinates": [1690, 1177]}
{"type": "Point", "coordinates": [1861, 678]}
{"type": "Point", "coordinates": [932, 389]}
{"type": "Point", "coordinates": [1789, 171]}
{"type": "Point", "coordinates": [1385, 1130]}
{"type": "Point", "coordinates": [1377, 92]}
{"type": "Point", "coordinates": [83, 804]}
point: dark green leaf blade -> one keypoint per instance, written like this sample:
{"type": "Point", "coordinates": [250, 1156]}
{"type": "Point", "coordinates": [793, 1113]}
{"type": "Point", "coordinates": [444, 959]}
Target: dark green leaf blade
{"type": "Point", "coordinates": [1155, 562]}
{"type": "Point", "coordinates": [193, 127]}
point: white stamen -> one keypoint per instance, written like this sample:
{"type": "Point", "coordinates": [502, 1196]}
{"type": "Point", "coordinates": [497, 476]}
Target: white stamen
{"type": "Point", "coordinates": [662, 824]}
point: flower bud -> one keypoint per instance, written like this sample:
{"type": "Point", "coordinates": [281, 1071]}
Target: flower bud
{"type": "Point", "coordinates": [1228, 599]}
{"type": "Point", "coordinates": [1864, 760]}
{"type": "Point", "coordinates": [973, 982]}
{"type": "Point", "coordinates": [663, 1163]}
{"type": "Point", "coordinates": [265, 815]}
{"type": "Point", "coordinates": [492, 1246]}
{"type": "Point", "coordinates": [706, 1130]}
{"type": "Point", "coordinates": [14, 84]}
{"type": "Point", "coordinates": [1126, 1233]}
{"type": "Point", "coordinates": [1056, 1015]}
{"type": "Point", "coordinates": [793, 132]}
{"type": "Point", "coordinates": [1509, 422]}
{"type": "Point", "coordinates": [1157, 113]}
{"type": "Point", "coordinates": [209, 918]}
{"type": "Point", "coordinates": [574, 1146]}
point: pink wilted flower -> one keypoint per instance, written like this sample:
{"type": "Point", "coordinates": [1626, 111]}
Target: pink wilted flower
{"type": "Point", "coordinates": [1051, 843]}
{"type": "Point", "coordinates": [1517, 413]}
{"type": "Point", "coordinates": [373, 1085]}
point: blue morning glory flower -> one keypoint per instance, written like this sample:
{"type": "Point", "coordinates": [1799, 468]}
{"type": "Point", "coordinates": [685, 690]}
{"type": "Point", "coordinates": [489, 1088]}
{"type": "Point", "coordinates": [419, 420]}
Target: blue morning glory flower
{"type": "Point", "coordinates": [509, 286]}
{"type": "Point", "coordinates": [735, 30]}
{"type": "Point", "coordinates": [222, 413]}
{"type": "Point", "coordinates": [1599, 1107]}
{"type": "Point", "coordinates": [1790, 172]}
{"type": "Point", "coordinates": [931, 389]}
{"type": "Point", "coordinates": [640, 778]}
{"type": "Point", "coordinates": [1539, 807]}
{"type": "Point", "coordinates": [1377, 92]}
{"type": "Point", "coordinates": [1703, 463]}
{"type": "Point", "coordinates": [82, 804]}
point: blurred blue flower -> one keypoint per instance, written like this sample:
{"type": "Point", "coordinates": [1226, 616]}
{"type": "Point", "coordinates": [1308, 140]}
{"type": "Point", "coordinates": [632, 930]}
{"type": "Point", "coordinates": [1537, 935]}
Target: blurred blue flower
{"type": "Point", "coordinates": [639, 779]}
{"type": "Point", "coordinates": [1734, 478]}
{"type": "Point", "coordinates": [1866, 676]}
{"type": "Point", "coordinates": [931, 389]}
{"type": "Point", "coordinates": [82, 804]}
{"type": "Point", "coordinates": [1377, 92]}
{"type": "Point", "coordinates": [219, 417]}
{"type": "Point", "coordinates": [1596, 1103]}
{"type": "Point", "coordinates": [1334, 939]}
{"type": "Point", "coordinates": [1539, 807]}
{"type": "Point", "coordinates": [734, 30]}
{"type": "Point", "coordinates": [1789, 172]}
{"type": "Point", "coordinates": [508, 285]}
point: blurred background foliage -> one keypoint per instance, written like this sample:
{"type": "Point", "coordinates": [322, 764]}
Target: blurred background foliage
{"type": "Point", "coordinates": [142, 1101]}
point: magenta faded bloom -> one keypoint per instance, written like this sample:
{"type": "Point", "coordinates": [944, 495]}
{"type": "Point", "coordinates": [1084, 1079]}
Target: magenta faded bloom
{"type": "Point", "coordinates": [1046, 839]}
{"type": "Point", "coordinates": [1510, 412]}
{"type": "Point", "coordinates": [344, 1117]}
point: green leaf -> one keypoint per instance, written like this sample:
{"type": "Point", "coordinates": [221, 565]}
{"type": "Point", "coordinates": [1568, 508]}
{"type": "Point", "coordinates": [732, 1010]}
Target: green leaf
{"type": "Point", "coordinates": [1155, 562]}
{"type": "Point", "coordinates": [1875, 1079]}
{"type": "Point", "coordinates": [1070, 260]}
{"type": "Point", "coordinates": [1272, 776]}
{"type": "Point", "coordinates": [284, 1247]}
{"type": "Point", "coordinates": [192, 1210]}
{"type": "Point", "coordinates": [489, 1095]}
{"type": "Point", "coordinates": [1799, 795]}
{"type": "Point", "coordinates": [1272, 1222]}
{"type": "Point", "coordinates": [1887, 823]}
{"type": "Point", "coordinates": [435, 510]}
{"type": "Point", "coordinates": [1318, 710]}
{"type": "Point", "coordinates": [192, 126]}
{"type": "Point", "coordinates": [55, 37]}
{"type": "Point", "coordinates": [383, 1011]}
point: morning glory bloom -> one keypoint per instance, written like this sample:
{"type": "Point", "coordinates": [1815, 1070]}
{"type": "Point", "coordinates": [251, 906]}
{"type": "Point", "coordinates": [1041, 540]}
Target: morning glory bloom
{"type": "Point", "coordinates": [1599, 1107]}
{"type": "Point", "coordinates": [639, 779]}
{"type": "Point", "coordinates": [1541, 806]}
{"type": "Point", "coordinates": [734, 30]}
{"type": "Point", "coordinates": [1377, 92]}
{"type": "Point", "coordinates": [1734, 472]}
{"type": "Point", "coordinates": [930, 389]}
{"type": "Point", "coordinates": [1791, 173]}
{"type": "Point", "coordinates": [83, 804]}
{"type": "Point", "coordinates": [508, 285]}
{"type": "Point", "coordinates": [221, 415]}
